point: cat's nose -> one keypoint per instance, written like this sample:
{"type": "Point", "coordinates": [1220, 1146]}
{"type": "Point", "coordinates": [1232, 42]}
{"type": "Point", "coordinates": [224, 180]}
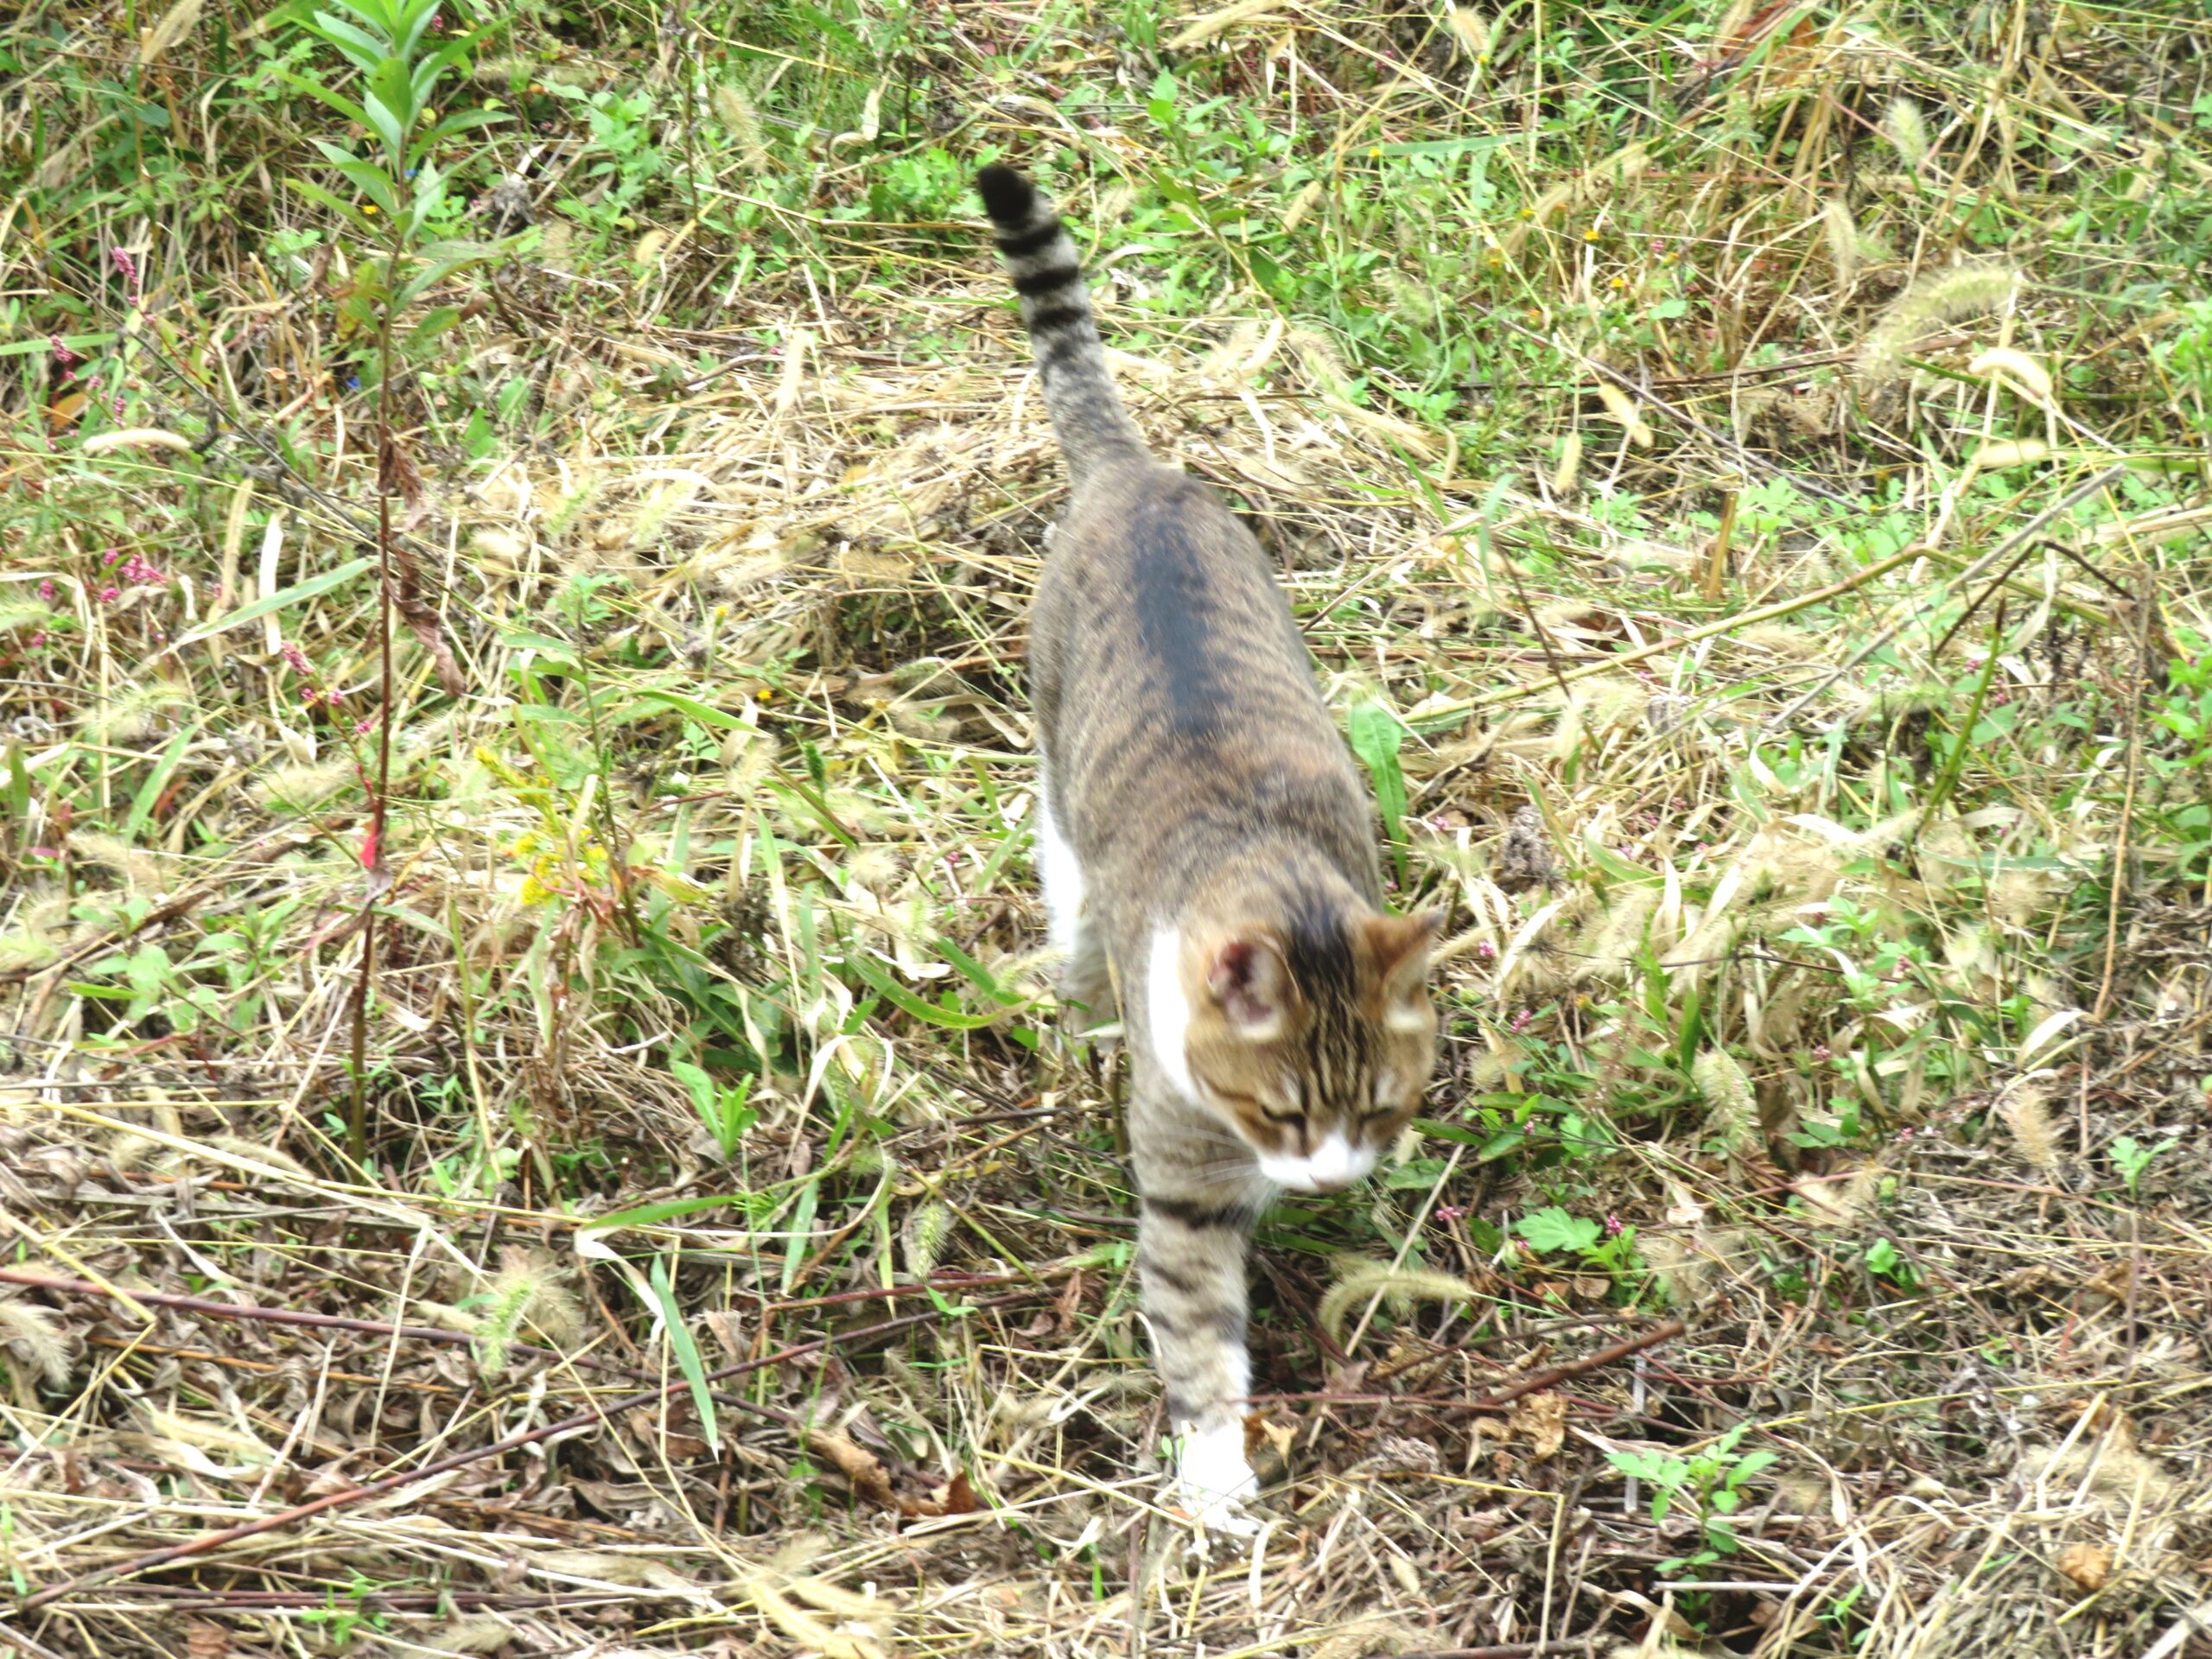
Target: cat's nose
{"type": "Point", "coordinates": [1333, 1165]}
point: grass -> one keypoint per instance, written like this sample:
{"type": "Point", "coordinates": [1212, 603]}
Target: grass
{"type": "Point", "coordinates": [1744, 478]}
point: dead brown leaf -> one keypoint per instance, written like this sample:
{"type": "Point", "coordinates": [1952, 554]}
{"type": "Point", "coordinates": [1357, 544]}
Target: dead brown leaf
{"type": "Point", "coordinates": [1542, 1419]}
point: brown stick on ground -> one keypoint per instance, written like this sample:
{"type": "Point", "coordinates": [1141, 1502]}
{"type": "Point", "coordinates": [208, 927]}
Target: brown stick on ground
{"type": "Point", "coordinates": [583, 1419]}
{"type": "Point", "coordinates": [1507, 1650]}
{"type": "Point", "coordinates": [1537, 1382]}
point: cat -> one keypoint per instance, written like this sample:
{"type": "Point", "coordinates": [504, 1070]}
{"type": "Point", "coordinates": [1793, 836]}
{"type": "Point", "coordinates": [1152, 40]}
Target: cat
{"type": "Point", "coordinates": [1207, 853]}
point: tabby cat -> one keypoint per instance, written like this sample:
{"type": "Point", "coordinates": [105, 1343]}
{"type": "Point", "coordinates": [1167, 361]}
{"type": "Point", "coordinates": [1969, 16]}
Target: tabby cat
{"type": "Point", "coordinates": [1207, 856]}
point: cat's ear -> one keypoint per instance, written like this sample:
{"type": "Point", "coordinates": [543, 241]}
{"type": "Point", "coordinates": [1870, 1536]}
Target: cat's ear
{"type": "Point", "coordinates": [1250, 983]}
{"type": "Point", "coordinates": [1399, 947]}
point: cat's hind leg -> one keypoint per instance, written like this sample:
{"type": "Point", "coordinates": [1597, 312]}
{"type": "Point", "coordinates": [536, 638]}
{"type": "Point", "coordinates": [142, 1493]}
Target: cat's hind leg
{"type": "Point", "coordinates": [1075, 938]}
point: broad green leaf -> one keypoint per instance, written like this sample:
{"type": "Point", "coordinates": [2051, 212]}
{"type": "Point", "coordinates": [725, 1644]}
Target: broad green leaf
{"type": "Point", "coordinates": [904, 1000]}
{"type": "Point", "coordinates": [377, 13]}
{"type": "Point", "coordinates": [692, 708]}
{"type": "Point", "coordinates": [19, 784]}
{"type": "Point", "coordinates": [298, 593]}
{"type": "Point", "coordinates": [559, 651]}
{"type": "Point", "coordinates": [337, 205]}
{"type": "Point", "coordinates": [686, 1349]}
{"type": "Point", "coordinates": [347, 109]}
{"type": "Point", "coordinates": [802, 1230]}
{"type": "Point", "coordinates": [412, 20]}
{"type": "Point", "coordinates": [142, 805]}
{"type": "Point", "coordinates": [1376, 736]}
{"type": "Point", "coordinates": [1445, 146]}
{"type": "Point", "coordinates": [980, 976]}
{"type": "Point", "coordinates": [453, 123]}
{"type": "Point", "coordinates": [450, 55]}
{"type": "Point", "coordinates": [369, 179]}
{"type": "Point", "coordinates": [362, 47]}
{"type": "Point", "coordinates": [648, 1215]}
{"type": "Point", "coordinates": [391, 125]}
{"type": "Point", "coordinates": [1553, 1230]}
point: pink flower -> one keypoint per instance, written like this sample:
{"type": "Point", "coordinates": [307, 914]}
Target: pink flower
{"type": "Point", "coordinates": [1521, 1020]}
{"type": "Point", "coordinates": [109, 595]}
{"type": "Point", "coordinates": [111, 555]}
{"type": "Point", "coordinates": [297, 658]}
{"type": "Point", "coordinates": [46, 588]}
{"type": "Point", "coordinates": [129, 268]}
{"type": "Point", "coordinates": [1485, 952]}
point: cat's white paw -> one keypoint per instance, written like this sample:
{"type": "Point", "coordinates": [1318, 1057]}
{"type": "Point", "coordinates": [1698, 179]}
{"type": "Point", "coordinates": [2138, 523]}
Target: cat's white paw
{"type": "Point", "coordinates": [1213, 1482]}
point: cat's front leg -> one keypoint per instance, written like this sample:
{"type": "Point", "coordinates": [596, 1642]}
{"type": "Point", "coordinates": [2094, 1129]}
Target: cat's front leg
{"type": "Point", "coordinates": [1190, 1250]}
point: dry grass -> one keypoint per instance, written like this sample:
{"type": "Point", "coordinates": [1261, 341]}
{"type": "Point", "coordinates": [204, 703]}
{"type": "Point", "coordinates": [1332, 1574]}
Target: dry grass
{"type": "Point", "coordinates": [1854, 1027]}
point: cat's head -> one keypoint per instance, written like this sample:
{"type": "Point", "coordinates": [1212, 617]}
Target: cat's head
{"type": "Point", "coordinates": [1312, 1040]}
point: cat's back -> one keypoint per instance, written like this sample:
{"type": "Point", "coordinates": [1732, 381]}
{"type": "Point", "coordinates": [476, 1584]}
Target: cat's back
{"type": "Point", "coordinates": [1155, 592]}
{"type": "Point", "coordinates": [1169, 676]}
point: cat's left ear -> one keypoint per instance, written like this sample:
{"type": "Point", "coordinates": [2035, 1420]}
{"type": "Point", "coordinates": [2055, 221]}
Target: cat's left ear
{"type": "Point", "coordinates": [1400, 945]}
{"type": "Point", "coordinates": [1250, 984]}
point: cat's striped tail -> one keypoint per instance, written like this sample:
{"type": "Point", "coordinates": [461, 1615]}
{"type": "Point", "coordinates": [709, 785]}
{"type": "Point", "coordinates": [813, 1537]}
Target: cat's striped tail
{"type": "Point", "coordinates": [1079, 393]}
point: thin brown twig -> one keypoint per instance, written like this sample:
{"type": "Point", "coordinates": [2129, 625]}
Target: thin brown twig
{"type": "Point", "coordinates": [2147, 604]}
{"type": "Point", "coordinates": [1537, 1382]}
{"type": "Point", "coordinates": [1505, 1649]}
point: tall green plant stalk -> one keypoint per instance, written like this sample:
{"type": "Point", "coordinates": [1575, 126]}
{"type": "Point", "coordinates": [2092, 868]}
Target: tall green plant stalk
{"type": "Point", "coordinates": [402, 192]}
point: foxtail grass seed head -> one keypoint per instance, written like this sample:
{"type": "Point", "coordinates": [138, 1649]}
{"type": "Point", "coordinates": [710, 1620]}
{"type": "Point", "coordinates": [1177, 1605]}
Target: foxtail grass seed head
{"type": "Point", "coordinates": [2015, 368]}
{"type": "Point", "coordinates": [30, 1334]}
{"type": "Point", "coordinates": [1472, 29]}
{"type": "Point", "coordinates": [526, 1289]}
{"type": "Point", "coordinates": [1300, 205]}
{"type": "Point", "coordinates": [925, 1236]}
{"type": "Point", "coordinates": [1906, 129]}
{"type": "Point", "coordinates": [1399, 1287]}
{"type": "Point", "coordinates": [1731, 1110]}
{"type": "Point", "coordinates": [1199, 31]}
{"type": "Point", "coordinates": [1842, 233]}
{"type": "Point", "coordinates": [2008, 453]}
{"type": "Point", "coordinates": [1568, 473]}
{"type": "Point", "coordinates": [1939, 297]}
{"type": "Point", "coordinates": [737, 113]}
{"type": "Point", "coordinates": [2025, 1111]}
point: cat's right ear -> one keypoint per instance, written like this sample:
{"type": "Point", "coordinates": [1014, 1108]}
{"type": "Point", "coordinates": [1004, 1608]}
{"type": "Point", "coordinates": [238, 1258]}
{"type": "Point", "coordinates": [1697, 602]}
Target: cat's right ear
{"type": "Point", "coordinates": [1249, 982]}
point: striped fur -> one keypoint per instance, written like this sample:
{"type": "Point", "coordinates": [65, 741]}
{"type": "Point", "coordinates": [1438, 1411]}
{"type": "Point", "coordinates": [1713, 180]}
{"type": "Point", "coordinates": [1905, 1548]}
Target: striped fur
{"type": "Point", "coordinates": [1208, 853]}
{"type": "Point", "coordinates": [1040, 258]}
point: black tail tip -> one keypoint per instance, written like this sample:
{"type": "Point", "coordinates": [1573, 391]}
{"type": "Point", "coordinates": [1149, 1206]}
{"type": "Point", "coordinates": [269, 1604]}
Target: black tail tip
{"type": "Point", "coordinates": [1007, 197]}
